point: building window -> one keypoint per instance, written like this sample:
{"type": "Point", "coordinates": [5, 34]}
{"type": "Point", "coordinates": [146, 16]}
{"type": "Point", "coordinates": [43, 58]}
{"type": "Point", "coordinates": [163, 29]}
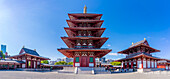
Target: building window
{"type": "Point", "coordinates": [77, 59]}
{"type": "Point", "coordinates": [91, 59]}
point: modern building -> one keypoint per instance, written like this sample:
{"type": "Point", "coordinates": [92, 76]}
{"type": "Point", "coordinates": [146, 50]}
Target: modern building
{"type": "Point", "coordinates": [139, 57]}
{"type": "Point", "coordinates": [3, 48]}
{"type": "Point", "coordinates": [67, 60]}
{"type": "Point", "coordinates": [84, 39]}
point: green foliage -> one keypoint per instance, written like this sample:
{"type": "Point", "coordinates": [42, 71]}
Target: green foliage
{"type": "Point", "coordinates": [70, 63]}
{"type": "Point", "coordinates": [2, 54]}
{"type": "Point", "coordinates": [115, 63]}
{"type": "Point", "coordinates": [45, 62]}
{"type": "Point", "coordinates": [61, 63]}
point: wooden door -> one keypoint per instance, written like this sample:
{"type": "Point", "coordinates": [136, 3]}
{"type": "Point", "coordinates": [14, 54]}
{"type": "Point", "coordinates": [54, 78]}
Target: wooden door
{"type": "Point", "coordinates": [84, 61]}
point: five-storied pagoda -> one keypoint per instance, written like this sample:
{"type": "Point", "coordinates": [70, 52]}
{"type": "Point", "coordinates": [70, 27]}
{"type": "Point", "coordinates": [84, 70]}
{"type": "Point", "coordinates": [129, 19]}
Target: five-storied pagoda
{"type": "Point", "coordinates": [84, 39]}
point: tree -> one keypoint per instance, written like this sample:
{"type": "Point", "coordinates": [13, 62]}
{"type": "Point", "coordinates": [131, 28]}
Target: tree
{"type": "Point", "coordinates": [70, 63]}
{"type": "Point", "coordinates": [116, 63]}
{"type": "Point", "coordinates": [45, 62]}
{"type": "Point", "coordinates": [60, 63]}
{"type": "Point", "coordinates": [2, 54]}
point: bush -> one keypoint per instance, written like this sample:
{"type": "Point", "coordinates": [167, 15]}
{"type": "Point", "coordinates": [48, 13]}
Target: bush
{"type": "Point", "coordinates": [70, 63]}
{"type": "Point", "coordinates": [60, 63]}
{"type": "Point", "coordinates": [45, 62]}
{"type": "Point", "coordinates": [116, 63]}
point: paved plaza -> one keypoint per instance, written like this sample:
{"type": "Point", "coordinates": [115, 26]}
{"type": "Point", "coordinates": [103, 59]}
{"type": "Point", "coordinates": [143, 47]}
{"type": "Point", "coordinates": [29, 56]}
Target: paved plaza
{"type": "Point", "coordinates": [55, 75]}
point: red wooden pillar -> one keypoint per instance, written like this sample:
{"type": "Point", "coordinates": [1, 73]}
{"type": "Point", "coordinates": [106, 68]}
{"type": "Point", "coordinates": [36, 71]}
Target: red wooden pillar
{"type": "Point", "coordinates": [14, 65]}
{"type": "Point", "coordinates": [123, 65]}
{"type": "Point", "coordinates": [127, 64]}
{"type": "Point", "coordinates": [74, 61]}
{"type": "Point", "coordinates": [142, 62]}
{"type": "Point", "coordinates": [156, 64]}
{"type": "Point", "coordinates": [88, 59]}
{"type": "Point", "coordinates": [80, 59]}
{"type": "Point", "coordinates": [8, 66]}
{"type": "Point", "coordinates": [132, 64]}
{"type": "Point", "coordinates": [26, 62]}
{"type": "Point", "coordinates": [94, 61]}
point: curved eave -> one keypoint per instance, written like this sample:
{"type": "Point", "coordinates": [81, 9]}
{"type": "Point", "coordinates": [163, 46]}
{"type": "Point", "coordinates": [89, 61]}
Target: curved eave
{"type": "Point", "coordinates": [155, 50]}
{"type": "Point", "coordinates": [69, 30]}
{"type": "Point", "coordinates": [138, 56]}
{"type": "Point", "coordinates": [68, 40]}
{"type": "Point", "coordinates": [84, 15]}
{"type": "Point", "coordinates": [98, 52]}
{"type": "Point", "coordinates": [29, 55]}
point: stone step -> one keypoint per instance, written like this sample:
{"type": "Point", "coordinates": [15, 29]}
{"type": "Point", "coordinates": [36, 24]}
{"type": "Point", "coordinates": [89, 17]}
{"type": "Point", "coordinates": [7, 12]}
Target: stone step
{"type": "Point", "coordinates": [84, 70]}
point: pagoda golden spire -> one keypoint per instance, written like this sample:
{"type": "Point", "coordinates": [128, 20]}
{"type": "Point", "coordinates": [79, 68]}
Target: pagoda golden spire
{"type": "Point", "coordinates": [23, 47]}
{"type": "Point", "coordinates": [144, 38]}
{"type": "Point", "coordinates": [85, 9]}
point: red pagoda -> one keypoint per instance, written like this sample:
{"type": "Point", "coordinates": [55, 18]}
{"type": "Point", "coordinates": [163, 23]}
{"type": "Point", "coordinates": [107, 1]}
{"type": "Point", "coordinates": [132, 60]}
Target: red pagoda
{"type": "Point", "coordinates": [139, 57]}
{"type": "Point", "coordinates": [84, 39]}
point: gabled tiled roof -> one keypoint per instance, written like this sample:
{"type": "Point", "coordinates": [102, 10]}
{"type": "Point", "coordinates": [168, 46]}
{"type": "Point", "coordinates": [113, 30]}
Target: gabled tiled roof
{"type": "Point", "coordinates": [29, 51]}
{"type": "Point", "coordinates": [137, 43]}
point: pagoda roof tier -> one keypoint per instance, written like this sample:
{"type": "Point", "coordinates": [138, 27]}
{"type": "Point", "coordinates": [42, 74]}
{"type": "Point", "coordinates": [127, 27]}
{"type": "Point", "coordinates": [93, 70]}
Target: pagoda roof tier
{"type": "Point", "coordinates": [139, 55]}
{"type": "Point", "coordinates": [98, 41]}
{"type": "Point", "coordinates": [99, 31]}
{"type": "Point", "coordinates": [97, 23]}
{"type": "Point", "coordinates": [142, 43]}
{"type": "Point", "coordinates": [88, 15]}
{"type": "Point", "coordinates": [99, 52]}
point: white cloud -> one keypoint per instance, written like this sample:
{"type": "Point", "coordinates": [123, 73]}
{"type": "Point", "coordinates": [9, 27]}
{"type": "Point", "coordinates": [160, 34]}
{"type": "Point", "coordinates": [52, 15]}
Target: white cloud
{"type": "Point", "coordinates": [115, 54]}
{"type": "Point", "coordinates": [108, 45]}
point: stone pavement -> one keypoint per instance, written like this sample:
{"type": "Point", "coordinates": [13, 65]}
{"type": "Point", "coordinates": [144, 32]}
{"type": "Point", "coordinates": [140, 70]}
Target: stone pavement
{"type": "Point", "coordinates": [55, 75]}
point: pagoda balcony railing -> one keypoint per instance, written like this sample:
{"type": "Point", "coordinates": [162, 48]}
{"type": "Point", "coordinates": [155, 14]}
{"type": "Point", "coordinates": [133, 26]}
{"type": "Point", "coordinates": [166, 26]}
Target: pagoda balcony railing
{"type": "Point", "coordinates": [84, 36]}
{"type": "Point", "coordinates": [84, 46]}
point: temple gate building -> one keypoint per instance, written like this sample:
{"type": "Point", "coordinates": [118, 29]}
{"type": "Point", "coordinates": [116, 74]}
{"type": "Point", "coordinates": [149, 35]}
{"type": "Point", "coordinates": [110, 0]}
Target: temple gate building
{"type": "Point", "coordinates": [139, 57]}
{"type": "Point", "coordinates": [84, 39]}
{"type": "Point", "coordinates": [28, 58]}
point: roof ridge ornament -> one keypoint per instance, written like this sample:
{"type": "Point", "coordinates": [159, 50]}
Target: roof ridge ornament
{"type": "Point", "coordinates": [23, 46]}
{"type": "Point", "coordinates": [85, 9]}
{"type": "Point", "coordinates": [132, 43]}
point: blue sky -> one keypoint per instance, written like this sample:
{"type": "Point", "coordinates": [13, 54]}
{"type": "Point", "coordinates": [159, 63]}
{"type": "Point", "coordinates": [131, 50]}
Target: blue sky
{"type": "Point", "coordinates": [39, 24]}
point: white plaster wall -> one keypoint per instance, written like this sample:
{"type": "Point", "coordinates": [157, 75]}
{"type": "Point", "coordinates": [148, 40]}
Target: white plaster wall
{"type": "Point", "coordinates": [139, 64]}
{"type": "Point", "coordinates": [34, 64]}
{"type": "Point", "coordinates": [144, 64]}
{"type": "Point", "coordinates": [155, 64]}
{"type": "Point", "coordinates": [23, 65]}
{"type": "Point", "coordinates": [148, 64]}
{"type": "Point", "coordinates": [77, 64]}
{"type": "Point", "coordinates": [91, 64]}
{"type": "Point", "coordinates": [152, 64]}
